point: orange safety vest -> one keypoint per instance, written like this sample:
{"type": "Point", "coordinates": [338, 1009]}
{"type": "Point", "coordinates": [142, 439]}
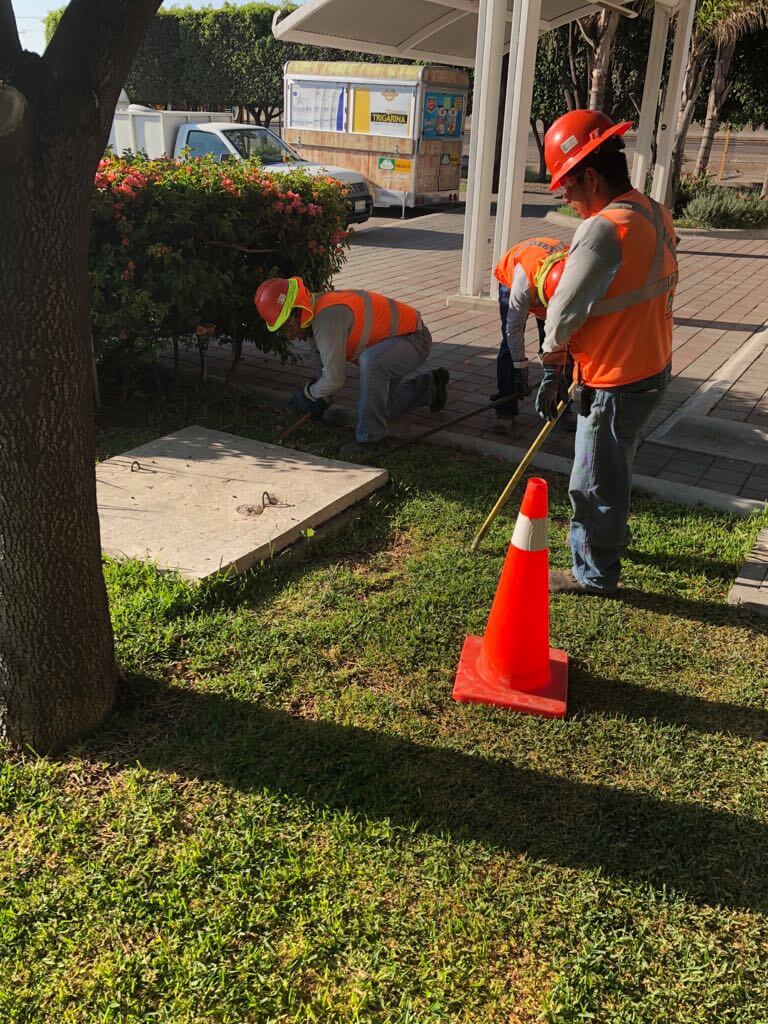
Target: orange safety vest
{"type": "Point", "coordinates": [376, 318]}
{"type": "Point", "coordinates": [628, 335]}
{"type": "Point", "coordinates": [529, 255]}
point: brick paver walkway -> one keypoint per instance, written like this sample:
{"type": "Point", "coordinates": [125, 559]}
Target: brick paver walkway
{"type": "Point", "coordinates": [722, 303]}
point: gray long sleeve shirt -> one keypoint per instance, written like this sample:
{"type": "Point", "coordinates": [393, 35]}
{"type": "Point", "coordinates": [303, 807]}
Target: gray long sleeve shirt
{"type": "Point", "coordinates": [330, 329]}
{"type": "Point", "coordinates": [519, 308]}
{"type": "Point", "coordinates": [593, 261]}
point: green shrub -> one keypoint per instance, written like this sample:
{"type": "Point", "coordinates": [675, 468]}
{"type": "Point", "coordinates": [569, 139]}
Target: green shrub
{"type": "Point", "coordinates": [568, 211]}
{"type": "Point", "coordinates": [690, 188]}
{"type": "Point", "coordinates": [179, 247]}
{"type": "Point", "coordinates": [725, 208]}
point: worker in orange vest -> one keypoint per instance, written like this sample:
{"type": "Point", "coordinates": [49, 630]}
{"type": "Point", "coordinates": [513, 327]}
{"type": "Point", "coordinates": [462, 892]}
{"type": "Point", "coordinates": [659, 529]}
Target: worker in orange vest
{"type": "Point", "coordinates": [386, 338]}
{"type": "Point", "coordinates": [528, 275]}
{"type": "Point", "coordinates": [613, 312]}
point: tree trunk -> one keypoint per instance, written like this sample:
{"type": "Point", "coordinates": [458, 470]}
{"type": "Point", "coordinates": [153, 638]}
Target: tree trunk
{"type": "Point", "coordinates": [57, 668]}
{"type": "Point", "coordinates": [694, 74]}
{"type": "Point", "coordinates": [764, 189]}
{"type": "Point", "coordinates": [58, 677]}
{"type": "Point", "coordinates": [718, 93]}
{"type": "Point", "coordinates": [576, 88]}
{"type": "Point", "coordinates": [542, 173]}
{"type": "Point", "coordinates": [605, 35]}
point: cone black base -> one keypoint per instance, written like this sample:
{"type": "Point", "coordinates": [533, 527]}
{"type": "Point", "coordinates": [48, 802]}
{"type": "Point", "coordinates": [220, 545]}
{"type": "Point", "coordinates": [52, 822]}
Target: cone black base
{"type": "Point", "coordinates": [551, 701]}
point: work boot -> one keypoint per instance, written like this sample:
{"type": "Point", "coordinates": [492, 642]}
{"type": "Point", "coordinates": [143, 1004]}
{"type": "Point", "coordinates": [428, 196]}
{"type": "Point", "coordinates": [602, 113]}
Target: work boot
{"type": "Point", "coordinates": [441, 378]}
{"type": "Point", "coordinates": [564, 582]}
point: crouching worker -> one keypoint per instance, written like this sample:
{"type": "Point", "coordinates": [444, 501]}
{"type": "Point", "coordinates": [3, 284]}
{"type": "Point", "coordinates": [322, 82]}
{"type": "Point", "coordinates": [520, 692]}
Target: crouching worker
{"type": "Point", "coordinates": [386, 338]}
{"type": "Point", "coordinates": [528, 276]}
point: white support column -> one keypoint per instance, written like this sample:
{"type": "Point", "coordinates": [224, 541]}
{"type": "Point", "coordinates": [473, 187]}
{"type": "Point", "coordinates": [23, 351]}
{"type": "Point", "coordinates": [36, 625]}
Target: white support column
{"type": "Point", "coordinates": [485, 111]}
{"type": "Point", "coordinates": [502, 200]}
{"type": "Point", "coordinates": [653, 70]}
{"type": "Point", "coordinates": [666, 134]}
{"type": "Point", "coordinates": [526, 18]}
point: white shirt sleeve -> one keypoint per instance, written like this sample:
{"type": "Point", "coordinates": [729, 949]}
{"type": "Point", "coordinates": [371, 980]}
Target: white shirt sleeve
{"type": "Point", "coordinates": [519, 308]}
{"type": "Point", "coordinates": [593, 261]}
{"type": "Point", "coordinates": [330, 330]}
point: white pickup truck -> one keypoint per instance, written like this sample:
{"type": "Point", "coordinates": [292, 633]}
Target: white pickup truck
{"type": "Point", "coordinates": [167, 133]}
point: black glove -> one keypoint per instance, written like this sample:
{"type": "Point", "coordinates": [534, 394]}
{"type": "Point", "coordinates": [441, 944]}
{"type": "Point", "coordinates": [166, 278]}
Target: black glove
{"type": "Point", "coordinates": [301, 402]}
{"type": "Point", "coordinates": [552, 391]}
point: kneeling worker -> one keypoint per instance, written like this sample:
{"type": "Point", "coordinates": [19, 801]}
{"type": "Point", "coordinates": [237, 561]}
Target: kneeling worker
{"type": "Point", "coordinates": [528, 276]}
{"type": "Point", "coordinates": [387, 338]}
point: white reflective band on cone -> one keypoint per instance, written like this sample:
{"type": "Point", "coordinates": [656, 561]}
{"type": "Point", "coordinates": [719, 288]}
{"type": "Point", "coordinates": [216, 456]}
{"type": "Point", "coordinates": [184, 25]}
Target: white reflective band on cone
{"type": "Point", "coordinates": [530, 534]}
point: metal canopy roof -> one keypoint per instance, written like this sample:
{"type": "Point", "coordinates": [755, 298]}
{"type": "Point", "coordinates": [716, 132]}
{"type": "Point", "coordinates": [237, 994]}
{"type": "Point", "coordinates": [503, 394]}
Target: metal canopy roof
{"type": "Point", "coordinates": [444, 31]}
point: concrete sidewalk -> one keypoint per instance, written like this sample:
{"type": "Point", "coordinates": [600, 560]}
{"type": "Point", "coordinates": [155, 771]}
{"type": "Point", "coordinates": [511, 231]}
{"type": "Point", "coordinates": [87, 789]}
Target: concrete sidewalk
{"type": "Point", "coordinates": [720, 361]}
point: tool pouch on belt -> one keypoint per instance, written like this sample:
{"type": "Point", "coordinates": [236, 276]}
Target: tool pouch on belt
{"type": "Point", "coordinates": [583, 397]}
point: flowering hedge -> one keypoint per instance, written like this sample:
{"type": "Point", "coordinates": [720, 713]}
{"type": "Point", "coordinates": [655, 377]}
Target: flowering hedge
{"type": "Point", "coordinates": [179, 247]}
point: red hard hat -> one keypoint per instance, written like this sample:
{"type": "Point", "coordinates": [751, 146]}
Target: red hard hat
{"type": "Point", "coordinates": [270, 298]}
{"type": "Point", "coordinates": [552, 279]}
{"type": "Point", "coordinates": [278, 297]}
{"type": "Point", "coordinates": [546, 280]}
{"type": "Point", "coordinates": [573, 137]}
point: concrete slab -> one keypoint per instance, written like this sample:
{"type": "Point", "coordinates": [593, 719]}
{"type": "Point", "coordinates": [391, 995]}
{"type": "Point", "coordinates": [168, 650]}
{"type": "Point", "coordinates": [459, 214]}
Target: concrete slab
{"type": "Point", "coordinates": [719, 437]}
{"type": "Point", "coordinates": [201, 501]}
{"type": "Point", "coordinates": [751, 587]}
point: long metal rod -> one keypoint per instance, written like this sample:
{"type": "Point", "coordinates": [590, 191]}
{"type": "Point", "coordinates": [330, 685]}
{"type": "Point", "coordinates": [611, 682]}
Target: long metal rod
{"type": "Point", "coordinates": [543, 434]}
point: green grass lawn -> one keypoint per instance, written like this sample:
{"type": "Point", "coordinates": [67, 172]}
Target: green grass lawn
{"type": "Point", "coordinates": [290, 820]}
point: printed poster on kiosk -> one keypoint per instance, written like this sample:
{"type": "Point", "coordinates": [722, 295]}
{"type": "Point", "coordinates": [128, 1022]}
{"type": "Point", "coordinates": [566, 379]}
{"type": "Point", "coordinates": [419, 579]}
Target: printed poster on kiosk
{"type": "Point", "coordinates": [443, 115]}
{"type": "Point", "coordinates": [382, 112]}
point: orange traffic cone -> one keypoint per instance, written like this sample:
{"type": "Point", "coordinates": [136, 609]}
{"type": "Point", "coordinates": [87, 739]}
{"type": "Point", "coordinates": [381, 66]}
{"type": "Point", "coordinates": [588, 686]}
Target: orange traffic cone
{"type": "Point", "coordinates": [513, 666]}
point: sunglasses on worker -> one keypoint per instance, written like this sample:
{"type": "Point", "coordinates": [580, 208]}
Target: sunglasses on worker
{"type": "Point", "coordinates": [568, 184]}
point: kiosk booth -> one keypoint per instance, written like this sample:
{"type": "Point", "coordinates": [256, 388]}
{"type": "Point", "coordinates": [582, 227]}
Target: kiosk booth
{"type": "Point", "coordinates": [399, 125]}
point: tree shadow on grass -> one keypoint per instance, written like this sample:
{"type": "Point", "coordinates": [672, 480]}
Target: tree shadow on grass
{"type": "Point", "coordinates": [713, 613]}
{"type": "Point", "coordinates": [711, 857]}
{"type": "Point", "coordinates": [591, 694]}
{"type": "Point", "coordinates": [689, 564]}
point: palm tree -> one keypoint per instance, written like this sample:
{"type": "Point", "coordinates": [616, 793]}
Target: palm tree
{"type": "Point", "coordinates": [744, 19]}
{"type": "Point", "coordinates": [720, 23]}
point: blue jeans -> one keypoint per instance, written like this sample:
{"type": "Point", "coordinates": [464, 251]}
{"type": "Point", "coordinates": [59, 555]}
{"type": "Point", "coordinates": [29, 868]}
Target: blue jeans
{"type": "Point", "coordinates": [601, 478]}
{"type": "Point", "coordinates": [384, 395]}
{"type": "Point", "coordinates": [505, 370]}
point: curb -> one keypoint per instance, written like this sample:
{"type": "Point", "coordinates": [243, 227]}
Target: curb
{"type": "Point", "coordinates": [724, 233]}
{"type": "Point", "coordinates": [667, 490]}
{"type": "Point", "coordinates": [562, 219]}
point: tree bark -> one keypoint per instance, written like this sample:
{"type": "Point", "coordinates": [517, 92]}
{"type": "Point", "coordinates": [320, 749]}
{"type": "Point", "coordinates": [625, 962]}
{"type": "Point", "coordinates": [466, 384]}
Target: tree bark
{"type": "Point", "coordinates": [58, 676]}
{"type": "Point", "coordinates": [718, 94]}
{"type": "Point", "coordinates": [542, 173]}
{"type": "Point", "coordinates": [694, 74]}
{"type": "Point", "coordinates": [604, 37]}
{"type": "Point", "coordinates": [764, 189]}
{"type": "Point", "coordinates": [576, 88]}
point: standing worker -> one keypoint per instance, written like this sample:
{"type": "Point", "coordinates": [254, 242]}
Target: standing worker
{"type": "Point", "coordinates": [528, 276]}
{"type": "Point", "coordinates": [613, 311]}
{"type": "Point", "coordinates": [387, 338]}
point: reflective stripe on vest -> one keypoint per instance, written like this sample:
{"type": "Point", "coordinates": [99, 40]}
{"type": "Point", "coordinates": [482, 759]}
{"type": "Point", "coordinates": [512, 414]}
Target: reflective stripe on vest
{"type": "Point", "coordinates": [375, 318]}
{"type": "Point", "coordinates": [530, 534]}
{"type": "Point", "coordinates": [654, 284]}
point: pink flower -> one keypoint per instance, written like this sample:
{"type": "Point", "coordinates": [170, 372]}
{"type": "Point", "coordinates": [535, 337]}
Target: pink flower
{"type": "Point", "coordinates": [279, 206]}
